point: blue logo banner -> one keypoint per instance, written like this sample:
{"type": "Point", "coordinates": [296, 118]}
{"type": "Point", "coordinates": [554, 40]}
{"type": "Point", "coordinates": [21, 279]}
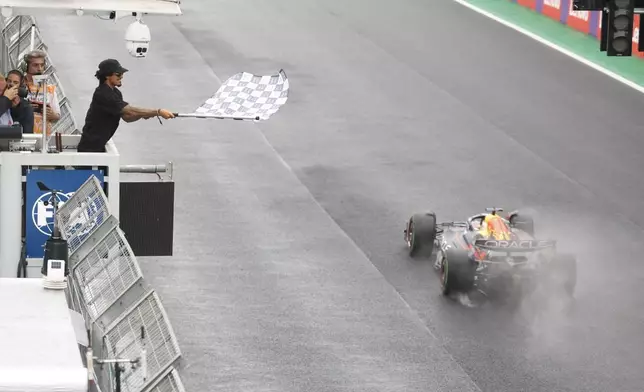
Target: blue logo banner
{"type": "Point", "coordinates": [39, 218]}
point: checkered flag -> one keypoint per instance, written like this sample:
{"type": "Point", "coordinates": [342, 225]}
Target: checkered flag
{"type": "Point", "coordinates": [245, 96]}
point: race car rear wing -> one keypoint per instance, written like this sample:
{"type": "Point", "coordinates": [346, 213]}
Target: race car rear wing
{"type": "Point", "coordinates": [514, 245]}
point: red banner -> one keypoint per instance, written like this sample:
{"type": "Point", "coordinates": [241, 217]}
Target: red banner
{"type": "Point", "coordinates": [532, 4]}
{"type": "Point", "coordinates": [636, 36]}
{"type": "Point", "coordinates": [578, 20]}
{"type": "Point", "coordinates": [552, 9]}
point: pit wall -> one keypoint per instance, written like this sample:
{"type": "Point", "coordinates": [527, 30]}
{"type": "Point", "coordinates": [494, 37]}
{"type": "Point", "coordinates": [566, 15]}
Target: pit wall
{"type": "Point", "coordinates": [587, 22]}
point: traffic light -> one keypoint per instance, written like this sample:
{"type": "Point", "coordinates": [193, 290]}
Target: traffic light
{"type": "Point", "coordinates": [619, 27]}
{"type": "Point", "coordinates": [588, 5]}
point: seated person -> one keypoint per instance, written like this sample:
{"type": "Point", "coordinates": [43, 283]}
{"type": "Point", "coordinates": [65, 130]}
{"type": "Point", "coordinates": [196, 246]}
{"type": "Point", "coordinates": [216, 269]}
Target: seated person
{"type": "Point", "coordinates": [21, 110]}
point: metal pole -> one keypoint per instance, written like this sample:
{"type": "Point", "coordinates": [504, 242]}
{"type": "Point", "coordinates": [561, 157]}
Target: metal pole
{"type": "Point", "coordinates": [4, 56]}
{"type": "Point", "coordinates": [54, 201]}
{"type": "Point", "coordinates": [44, 117]}
{"type": "Point", "coordinates": [143, 169]}
{"type": "Point", "coordinates": [33, 37]}
{"type": "Point", "coordinates": [118, 377]}
{"type": "Point", "coordinates": [222, 117]}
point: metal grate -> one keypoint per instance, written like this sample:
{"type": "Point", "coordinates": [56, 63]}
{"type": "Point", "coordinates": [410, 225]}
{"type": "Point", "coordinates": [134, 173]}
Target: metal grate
{"type": "Point", "coordinates": [12, 29]}
{"type": "Point", "coordinates": [170, 382]}
{"type": "Point", "coordinates": [106, 273]}
{"type": "Point", "coordinates": [123, 340]}
{"type": "Point", "coordinates": [55, 80]}
{"type": "Point", "coordinates": [15, 28]}
{"type": "Point", "coordinates": [66, 122]}
{"type": "Point", "coordinates": [23, 46]}
{"type": "Point", "coordinates": [83, 213]}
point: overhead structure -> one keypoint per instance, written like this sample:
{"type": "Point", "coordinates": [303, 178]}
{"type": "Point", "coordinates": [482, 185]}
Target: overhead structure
{"type": "Point", "coordinates": [619, 29]}
{"type": "Point", "coordinates": [79, 7]}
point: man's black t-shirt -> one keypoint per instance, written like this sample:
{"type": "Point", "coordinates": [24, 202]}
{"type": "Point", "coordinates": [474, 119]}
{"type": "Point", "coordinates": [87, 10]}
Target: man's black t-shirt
{"type": "Point", "coordinates": [102, 119]}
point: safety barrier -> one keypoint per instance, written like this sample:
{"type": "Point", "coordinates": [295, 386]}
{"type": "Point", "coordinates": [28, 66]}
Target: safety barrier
{"type": "Point", "coordinates": [17, 33]}
{"type": "Point", "coordinates": [587, 22]}
{"type": "Point", "coordinates": [107, 287]}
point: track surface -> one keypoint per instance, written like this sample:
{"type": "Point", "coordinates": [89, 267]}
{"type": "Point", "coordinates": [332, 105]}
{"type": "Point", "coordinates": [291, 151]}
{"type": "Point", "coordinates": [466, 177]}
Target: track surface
{"type": "Point", "coordinates": [385, 119]}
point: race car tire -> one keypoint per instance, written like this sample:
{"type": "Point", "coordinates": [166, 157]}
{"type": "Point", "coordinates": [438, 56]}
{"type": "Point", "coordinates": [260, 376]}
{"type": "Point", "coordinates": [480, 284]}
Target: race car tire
{"type": "Point", "coordinates": [564, 271]}
{"type": "Point", "coordinates": [420, 234]}
{"type": "Point", "coordinates": [457, 272]}
{"type": "Point", "coordinates": [522, 222]}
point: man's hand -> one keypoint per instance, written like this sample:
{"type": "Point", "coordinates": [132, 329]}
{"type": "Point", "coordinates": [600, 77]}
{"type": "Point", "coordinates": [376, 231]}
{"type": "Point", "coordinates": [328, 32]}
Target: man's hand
{"type": "Point", "coordinates": [51, 115]}
{"type": "Point", "coordinates": [11, 92]}
{"type": "Point", "coordinates": [166, 114]}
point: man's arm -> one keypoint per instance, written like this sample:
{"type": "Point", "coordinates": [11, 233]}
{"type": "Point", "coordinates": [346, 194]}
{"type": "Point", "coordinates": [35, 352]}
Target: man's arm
{"type": "Point", "coordinates": [7, 96]}
{"type": "Point", "coordinates": [132, 113]}
{"type": "Point", "coordinates": [5, 104]}
{"type": "Point", "coordinates": [53, 114]}
{"type": "Point", "coordinates": [116, 106]}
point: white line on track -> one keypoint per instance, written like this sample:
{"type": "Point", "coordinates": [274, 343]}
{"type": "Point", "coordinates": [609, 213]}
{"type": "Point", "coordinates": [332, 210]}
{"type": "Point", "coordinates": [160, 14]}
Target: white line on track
{"type": "Point", "coordinates": [552, 45]}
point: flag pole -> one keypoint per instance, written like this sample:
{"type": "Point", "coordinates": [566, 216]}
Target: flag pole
{"type": "Point", "coordinates": [218, 117]}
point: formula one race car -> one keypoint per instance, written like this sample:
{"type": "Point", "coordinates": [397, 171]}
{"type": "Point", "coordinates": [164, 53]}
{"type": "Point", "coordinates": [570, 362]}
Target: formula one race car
{"type": "Point", "coordinates": [490, 254]}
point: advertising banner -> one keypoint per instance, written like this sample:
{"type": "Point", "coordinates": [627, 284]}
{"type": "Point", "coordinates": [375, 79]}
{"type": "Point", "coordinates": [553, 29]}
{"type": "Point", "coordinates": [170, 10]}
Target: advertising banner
{"type": "Point", "coordinates": [599, 25]}
{"type": "Point", "coordinates": [587, 22]}
{"type": "Point", "coordinates": [552, 9]}
{"type": "Point", "coordinates": [39, 212]}
{"type": "Point", "coordinates": [636, 36]}
{"type": "Point", "coordinates": [578, 20]}
{"type": "Point", "coordinates": [532, 4]}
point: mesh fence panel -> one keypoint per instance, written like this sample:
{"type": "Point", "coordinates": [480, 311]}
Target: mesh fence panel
{"type": "Point", "coordinates": [102, 278]}
{"type": "Point", "coordinates": [83, 213]}
{"type": "Point", "coordinates": [106, 273]}
{"type": "Point", "coordinates": [124, 340]}
{"type": "Point", "coordinates": [168, 383]}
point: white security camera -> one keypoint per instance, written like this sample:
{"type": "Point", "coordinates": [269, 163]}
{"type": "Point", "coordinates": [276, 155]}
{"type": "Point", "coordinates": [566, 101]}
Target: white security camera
{"type": "Point", "coordinates": [137, 39]}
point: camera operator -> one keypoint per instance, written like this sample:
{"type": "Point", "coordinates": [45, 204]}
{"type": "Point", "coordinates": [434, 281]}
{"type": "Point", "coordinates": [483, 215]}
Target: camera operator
{"type": "Point", "coordinates": [108, 108]}
{"type": "Point", "coordinates": [9, 94]}
{"type": "Point", "coordinates": [21, 110]}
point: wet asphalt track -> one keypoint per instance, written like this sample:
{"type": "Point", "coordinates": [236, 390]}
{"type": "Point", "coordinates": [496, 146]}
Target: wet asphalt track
{"type": "Point", "coordinates": [385, 119]}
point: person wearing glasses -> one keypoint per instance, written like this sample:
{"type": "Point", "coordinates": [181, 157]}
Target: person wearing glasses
{"type": "Point", "coordinates": [108, 108]}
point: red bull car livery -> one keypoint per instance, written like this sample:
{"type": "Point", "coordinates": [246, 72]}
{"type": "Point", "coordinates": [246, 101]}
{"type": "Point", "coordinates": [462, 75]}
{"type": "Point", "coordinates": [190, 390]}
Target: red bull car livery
{"type": "Point", "coordinates": [489, 253]}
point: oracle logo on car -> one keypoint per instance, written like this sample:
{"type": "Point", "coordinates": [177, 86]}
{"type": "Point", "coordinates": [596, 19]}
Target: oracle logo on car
{"type": "Point", "coordinates": [515, 244]}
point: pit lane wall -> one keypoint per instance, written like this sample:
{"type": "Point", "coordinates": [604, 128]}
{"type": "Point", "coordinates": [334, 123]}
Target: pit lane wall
{"type": "Point", "coordinates": [587, 22]}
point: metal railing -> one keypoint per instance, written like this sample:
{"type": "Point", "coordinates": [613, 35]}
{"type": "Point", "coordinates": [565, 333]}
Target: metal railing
{"type": "Point", "coordinates": [20, 35]}
{"type": "Point", "coordinates": [106, 286]}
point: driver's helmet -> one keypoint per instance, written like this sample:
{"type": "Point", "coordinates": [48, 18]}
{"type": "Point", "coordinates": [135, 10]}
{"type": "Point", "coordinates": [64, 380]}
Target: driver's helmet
{"type": "Point", "coordinates": [494, 227]}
